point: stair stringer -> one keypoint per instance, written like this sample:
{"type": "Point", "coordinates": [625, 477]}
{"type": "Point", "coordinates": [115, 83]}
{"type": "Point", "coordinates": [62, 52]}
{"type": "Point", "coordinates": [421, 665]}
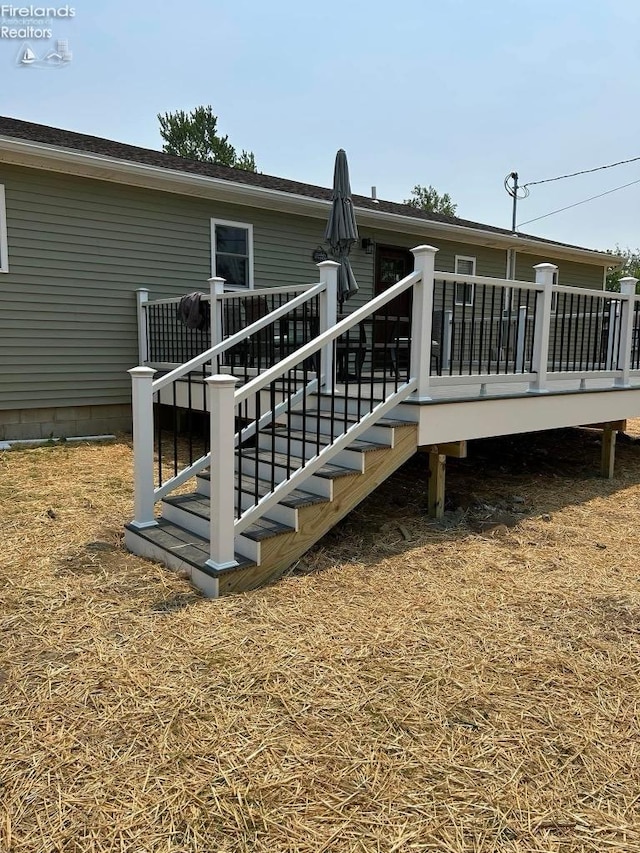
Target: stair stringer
{"type": "Point", "coordinates": [280, 552]}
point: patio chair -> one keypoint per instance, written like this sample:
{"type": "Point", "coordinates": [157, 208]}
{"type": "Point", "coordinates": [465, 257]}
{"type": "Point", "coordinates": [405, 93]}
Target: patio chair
{"type": "Point", "coordinates": [351, 349]}
{"type": "Point", "coordinates": [270, 344]}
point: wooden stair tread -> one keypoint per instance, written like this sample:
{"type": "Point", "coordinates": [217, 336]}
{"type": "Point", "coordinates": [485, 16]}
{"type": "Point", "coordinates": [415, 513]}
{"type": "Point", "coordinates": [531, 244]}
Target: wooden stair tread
{"type": "Point", "coordinates": [199, 505]}
{"type": "Point", "coordinates": [329, 471]}
{"type": "Point", "coordinates": [294, 499]}
{"type": "Point", "coordinates": [188, 546]}
{"type": "Point", "coordinates": [354, 419]}
{"type": "Point", "coordinates": [325, 440]}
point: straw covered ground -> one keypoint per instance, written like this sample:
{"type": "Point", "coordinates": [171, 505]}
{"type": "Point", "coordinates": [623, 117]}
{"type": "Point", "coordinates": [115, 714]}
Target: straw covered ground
{"type": "Point", "coordinates": [472, 686]}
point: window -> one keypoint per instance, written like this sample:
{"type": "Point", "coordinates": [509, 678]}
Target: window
{"type": "Point", "coordinates": [232, 252]}
{"type": "Point", "coordinates": [4, 250]}
{"type": "Point", "coordinates": [464, 291]}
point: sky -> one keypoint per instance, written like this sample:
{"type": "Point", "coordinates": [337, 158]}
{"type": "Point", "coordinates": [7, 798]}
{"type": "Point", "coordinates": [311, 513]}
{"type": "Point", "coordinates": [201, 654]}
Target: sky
{"type": "Point", "coordinates": [454, 93]}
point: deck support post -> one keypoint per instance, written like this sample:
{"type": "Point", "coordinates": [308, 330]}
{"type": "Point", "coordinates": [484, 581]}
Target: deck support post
{"type": "Point", "coordinates": [627, 306]}
{"type": "Point", "coordinates": [437, 475]}
{"type": "Point", "coordinates": [142, 297]}
{"type": "Point", "coordinates": [142, 406]}
{"type": "Point", "coordinates": [216, 288]}
{"type": "Point", "coordinates": [422, 319]}
{"type": "Point", "coordinates": [221, 390]}
{"type": "Point", "coordinates": [608, 458]}
{"type": "Point", "coordinates": [544, 279]}
{"type": "Point", "coordinates": [328, 319]}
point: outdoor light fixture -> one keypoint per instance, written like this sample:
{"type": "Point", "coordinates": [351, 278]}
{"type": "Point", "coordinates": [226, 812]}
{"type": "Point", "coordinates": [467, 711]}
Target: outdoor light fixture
{"type": "Point", "coordinates": [367, 245]}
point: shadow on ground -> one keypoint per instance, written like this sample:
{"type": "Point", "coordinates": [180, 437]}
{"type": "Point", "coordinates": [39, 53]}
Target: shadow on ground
{"type": "Point", "coordinates": [502, 482]}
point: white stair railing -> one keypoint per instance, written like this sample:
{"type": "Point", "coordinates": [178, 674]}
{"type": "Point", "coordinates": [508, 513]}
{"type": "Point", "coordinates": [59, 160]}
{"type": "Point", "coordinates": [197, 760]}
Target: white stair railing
{"type": "Point", "coordinates": [224, 445]}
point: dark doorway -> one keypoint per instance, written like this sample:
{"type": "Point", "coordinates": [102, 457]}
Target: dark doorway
{"type": "Point", "coordinates": [392, 324]}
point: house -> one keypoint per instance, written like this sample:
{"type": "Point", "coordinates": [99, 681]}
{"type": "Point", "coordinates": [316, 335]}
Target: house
{"type": "Point", "coordinates": [85, 222]}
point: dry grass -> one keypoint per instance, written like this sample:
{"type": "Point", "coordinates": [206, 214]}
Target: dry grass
{"type": "Point", "coordinates": [412, 687]}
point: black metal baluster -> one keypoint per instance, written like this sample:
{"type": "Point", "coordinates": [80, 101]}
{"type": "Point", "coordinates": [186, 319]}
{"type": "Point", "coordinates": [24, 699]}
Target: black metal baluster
{"type": "Point", "coordinates": [158, 425]}
{"type": "Point", "coordinates": [619, 330]}
{"type": "Point", "coordinates": [189, 419]}
{"type": "Point", "coordinates": [175, 430]}
{"type": "Point", "coordinates": [463, 328]}
{"type": "Point", "coordinates": [563, 328]}
{"type": "Point", "coordinates": [453, 330]}
{"type": "Point", "coordinates": [592, 339]}
{"type": "Point", "coordinates": [509, 312]}
{"type": "Point", "coordinates": [482, 328]}
{"type": "Point", "coordinates": [289, 425]}
{"type": "Point", "coordinates": [272, 402]}
{"type": "Point", "coordinates": [472, 331]}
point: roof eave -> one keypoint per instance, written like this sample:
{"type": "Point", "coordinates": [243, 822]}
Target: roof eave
{"type": "Point", "coordinates": [23, 152]}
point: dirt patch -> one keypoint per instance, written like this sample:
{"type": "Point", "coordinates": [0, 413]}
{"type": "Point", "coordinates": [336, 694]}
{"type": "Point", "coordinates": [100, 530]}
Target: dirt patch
{"type": "Point", "coordinates": [411, 686]}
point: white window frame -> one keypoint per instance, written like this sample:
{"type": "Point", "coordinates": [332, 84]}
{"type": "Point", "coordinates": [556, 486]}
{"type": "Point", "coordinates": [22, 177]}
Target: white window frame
{"type": "Point", "coordinates": [214, 251]}
{"type": "Point", "coordinates": [472, 290]}
{"type": "Point", "coordinates": [4, 245]}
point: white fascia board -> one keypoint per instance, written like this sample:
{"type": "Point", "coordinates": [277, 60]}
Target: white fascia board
{"type": "Point", "coordinates": [54, 158]}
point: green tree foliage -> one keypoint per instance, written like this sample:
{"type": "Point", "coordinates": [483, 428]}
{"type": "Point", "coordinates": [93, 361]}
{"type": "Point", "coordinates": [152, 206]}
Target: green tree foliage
{"type": "Point", "coordinates": [631, 266]}
{"type": "Point", "coordinates": [429, 199]}
{"type": "Point", "coordinates": [195, 135]}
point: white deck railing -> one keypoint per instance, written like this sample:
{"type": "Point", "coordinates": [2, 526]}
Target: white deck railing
{"type": "Point", "coordinates": [508, 334]}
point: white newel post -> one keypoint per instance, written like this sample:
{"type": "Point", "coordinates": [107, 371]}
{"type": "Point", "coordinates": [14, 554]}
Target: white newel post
{"type": "Point", "coordinates": [216, 288]}
{"type": "Point", "coordinates": [328, 319]}
{"type": "Point", "coordinates": [628, 290]}
{"type": "Point", "coordinates": [544, 278]}
{"type": "Point", "coordinates": [422, 319]}
{"type": "Point", "coordinates": [142, 405]}
{"type": "Point", "coordinates": [142, 297]}
{"type": "Point", "coordinates": [221, 471]}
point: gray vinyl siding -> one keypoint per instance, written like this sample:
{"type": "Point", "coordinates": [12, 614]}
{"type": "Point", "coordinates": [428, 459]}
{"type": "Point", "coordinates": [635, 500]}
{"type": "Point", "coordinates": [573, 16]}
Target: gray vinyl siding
{"type": "Point", "coordinates": [570, 273]}
{"type": "Point", "coordinates": [79, 249]}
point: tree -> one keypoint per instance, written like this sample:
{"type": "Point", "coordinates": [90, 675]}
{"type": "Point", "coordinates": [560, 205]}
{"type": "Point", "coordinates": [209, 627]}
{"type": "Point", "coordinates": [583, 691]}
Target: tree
{"type": "Point", "coordinates": [195, 135]}
{"type": "Point", "coordinates": [429, 199]}
{"type": "Point", "coordinates": [631, 266]}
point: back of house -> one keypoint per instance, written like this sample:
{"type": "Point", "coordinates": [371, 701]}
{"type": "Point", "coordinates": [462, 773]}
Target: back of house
{"type": "Point", "coordinates": [85, 223]}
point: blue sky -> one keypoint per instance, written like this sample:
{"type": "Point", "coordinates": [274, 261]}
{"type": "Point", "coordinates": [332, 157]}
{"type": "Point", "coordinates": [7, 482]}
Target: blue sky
{"type": "Point", "coordinates": [451, 93]}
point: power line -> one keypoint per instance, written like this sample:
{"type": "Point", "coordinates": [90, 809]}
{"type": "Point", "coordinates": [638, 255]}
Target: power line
{"type": "Point", "coordinates": [584, 201]}
{"type": "Point", "coordinates": [583, 172]}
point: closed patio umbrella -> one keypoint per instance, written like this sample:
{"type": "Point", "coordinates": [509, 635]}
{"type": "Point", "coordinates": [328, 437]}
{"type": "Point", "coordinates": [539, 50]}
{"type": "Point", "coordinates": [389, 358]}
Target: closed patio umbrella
{"type": "Point", "coordinates": [341, 231]}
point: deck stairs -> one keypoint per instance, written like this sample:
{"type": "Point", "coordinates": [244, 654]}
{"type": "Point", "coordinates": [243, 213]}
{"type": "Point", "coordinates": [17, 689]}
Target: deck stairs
{"type": "Point", "coordinates": [273, 543]}
{"type": "Point", "coordinates": [293, 445]}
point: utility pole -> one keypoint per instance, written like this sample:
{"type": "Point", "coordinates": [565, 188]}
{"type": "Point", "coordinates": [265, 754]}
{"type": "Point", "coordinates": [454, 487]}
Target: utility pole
{"type": "Point", "coordinates": [514, 193]}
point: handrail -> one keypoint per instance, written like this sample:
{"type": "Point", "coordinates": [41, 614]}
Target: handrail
{"type": "Point", "coordinates": [485, 279]}
{"type": "Point", "coordinates": [266, 291]}
{"type": "Point", "coordinates": [237, 338]}
{"type": "Point", "coordinates": [587, 291]}
{"type": "Point", "coordinates": [236, 294]}
{"type": "Point", "coordinates": [325, 338]}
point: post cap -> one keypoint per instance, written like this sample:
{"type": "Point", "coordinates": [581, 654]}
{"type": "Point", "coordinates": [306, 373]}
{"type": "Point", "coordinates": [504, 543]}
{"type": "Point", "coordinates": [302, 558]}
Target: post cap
{"type": "Point", "coordinates": [545, 267]}
{"type": "Point", "coordinates": [423, 250]}
{"type": "Point", "coordinates": [328, 265]}
{"type": "Point", "coordinates": [628, 285]}
{"type": "Point", "coordinates": [221, 380]}
{"type": "Point", "coordinates": [141, 372]}
{"type": "Point", "coordinates": [216, 278]}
